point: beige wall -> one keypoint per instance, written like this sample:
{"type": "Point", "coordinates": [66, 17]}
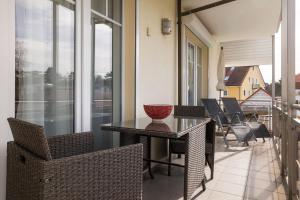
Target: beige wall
{"type": "Point", "coordinates": [129, 60]}
{"type": "Point", "coordinates": [156, 69]}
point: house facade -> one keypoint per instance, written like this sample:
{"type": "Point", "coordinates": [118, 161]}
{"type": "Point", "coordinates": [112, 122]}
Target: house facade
{"type": "Point", "coordinates": [241, 82]}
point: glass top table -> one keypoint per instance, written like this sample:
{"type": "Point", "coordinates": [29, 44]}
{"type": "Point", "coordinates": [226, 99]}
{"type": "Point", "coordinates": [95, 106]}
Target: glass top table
{"type": "Point", "coordinates": [173, 127]}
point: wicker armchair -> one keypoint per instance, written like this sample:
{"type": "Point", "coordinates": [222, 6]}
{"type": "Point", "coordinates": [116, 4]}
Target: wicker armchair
{"type": "Point", "coordinates": [68, 167]}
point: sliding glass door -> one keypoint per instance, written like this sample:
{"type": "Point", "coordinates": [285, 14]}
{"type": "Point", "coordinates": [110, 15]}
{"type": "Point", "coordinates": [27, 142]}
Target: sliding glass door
{"type": "Point", "coordinates": [45, 63]}
{"type": "Point", "coordinates": [106, 66]}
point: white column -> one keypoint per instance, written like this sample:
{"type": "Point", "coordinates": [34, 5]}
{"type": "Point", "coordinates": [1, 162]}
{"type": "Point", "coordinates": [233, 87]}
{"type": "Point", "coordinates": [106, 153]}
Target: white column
{"type": "Point", "coordinates": [284, 52]}
{"type": "Point", "coordinates": [86, 71]}
{"type": "Point", "coordinates": [78, 62]}
{"type": "Point", "coordinates": [273, 68]}
{"type": "Point", "coordinates": [291, 61]}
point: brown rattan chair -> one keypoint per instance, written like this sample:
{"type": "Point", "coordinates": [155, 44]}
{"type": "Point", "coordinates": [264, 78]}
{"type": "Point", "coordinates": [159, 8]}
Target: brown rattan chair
{"type": "Point", "coordinates": [177, 146]}
{"type": "Point", "coordinates": [68, 167]}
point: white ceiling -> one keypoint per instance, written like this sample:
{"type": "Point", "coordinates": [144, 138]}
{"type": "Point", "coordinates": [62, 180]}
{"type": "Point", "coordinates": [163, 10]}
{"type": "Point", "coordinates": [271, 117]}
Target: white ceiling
{"type": "Point", "coordinates": [239, 20]}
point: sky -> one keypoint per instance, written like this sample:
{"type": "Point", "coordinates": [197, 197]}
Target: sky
{"type": "Point", "coordinates": [266, 71]}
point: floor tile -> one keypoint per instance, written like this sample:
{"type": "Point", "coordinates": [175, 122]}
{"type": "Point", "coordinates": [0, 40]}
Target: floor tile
{"type": "Point", "coordinates": [235, 179]}
{"type": "Point", "coordinates": [230, 188]}
{"type": "Point", "coordinates": [215, 195]}
{"type": "Point", "coordinates": [260, 194]}
{"type": "Point", "coordinates": [251, 173]}
{"type": "Point", "coordinates": [262, 184]}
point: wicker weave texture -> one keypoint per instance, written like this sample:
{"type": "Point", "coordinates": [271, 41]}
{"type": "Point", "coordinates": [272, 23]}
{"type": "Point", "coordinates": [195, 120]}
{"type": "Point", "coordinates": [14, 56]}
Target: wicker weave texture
{"type": "Point", "coordinates": [109, 174]}
{"type": "Point", "coordinates": [194, 161]}
{"type": "Point", "coordinates": [71, 144]}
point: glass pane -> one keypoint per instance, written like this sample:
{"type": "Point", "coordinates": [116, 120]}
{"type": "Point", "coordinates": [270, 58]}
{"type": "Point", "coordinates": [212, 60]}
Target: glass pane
{"type": "Point", "coordinates": [102, 93]}
{"type": "Point", "coordinates": [99, 6]}
{"type": "Point", "coordinates": [64, 91]}
{"type": "Point", "coordinates": [115, 10]}
{"type": "Point", "coordinates": [106, 105]}
{"type": "Point", "coordinates": [199, 75]}
{"type": "Point", "coordinates": [191, 75]}
{"type": "Point", "coordinates": [44, 83]}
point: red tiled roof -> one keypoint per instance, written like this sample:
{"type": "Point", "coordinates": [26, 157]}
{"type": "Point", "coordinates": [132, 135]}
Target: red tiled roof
{"type": "Point", "coordinates": [236, 75]}
{"type": "Point", "coordinates": [297, 78]}
{"type": "Point", "coordinates": [297, 81]}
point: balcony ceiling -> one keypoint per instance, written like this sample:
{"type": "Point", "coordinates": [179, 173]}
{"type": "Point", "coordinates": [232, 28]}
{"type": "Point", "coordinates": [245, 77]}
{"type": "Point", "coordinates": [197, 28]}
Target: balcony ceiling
{"type": "Point", "coordinates": [239, 20]}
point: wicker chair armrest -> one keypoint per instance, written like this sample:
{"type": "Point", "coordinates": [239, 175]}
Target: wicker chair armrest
{"type": "Point", "coordinates": [109, 174]}
{"type": "Point", "coordinates": [71, 144]}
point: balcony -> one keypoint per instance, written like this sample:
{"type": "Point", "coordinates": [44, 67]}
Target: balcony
{"type": "Point", "coordinates": [83, 66]}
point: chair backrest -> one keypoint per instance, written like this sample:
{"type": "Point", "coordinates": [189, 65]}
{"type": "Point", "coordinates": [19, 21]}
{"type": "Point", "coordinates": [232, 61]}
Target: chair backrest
{"type": "Point", "coordinates": [189, 111]}
{"type": "Point", "coordinates": [233, 108]}
{"type": "Point", "coordinates": [214, 109]}
{"type": "Point", "coordinates": [197, 111]}
{"type": "Point", "coordinates": [31, 137]}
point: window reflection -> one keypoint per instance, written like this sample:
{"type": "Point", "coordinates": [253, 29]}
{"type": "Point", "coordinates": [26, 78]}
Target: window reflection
{"type": "Point", "coordinates": [45, 64]}
{"type": "Point", "coordinates": [102, 101]}
{"type": "Point", "coordinates": [106, 66]}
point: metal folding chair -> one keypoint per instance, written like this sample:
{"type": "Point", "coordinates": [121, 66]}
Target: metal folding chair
{"type": "Point", "coordinates": [233, 108]}
{"type": "Point", "coordinates": [242, 132]}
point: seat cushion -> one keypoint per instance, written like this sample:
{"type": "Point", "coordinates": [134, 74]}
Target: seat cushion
{"type": "Point", "coordinates": [31, 137]}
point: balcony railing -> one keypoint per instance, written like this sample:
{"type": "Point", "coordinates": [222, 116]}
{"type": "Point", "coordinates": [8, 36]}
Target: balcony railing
{"type": "Point", "coordinates": [286, 129]}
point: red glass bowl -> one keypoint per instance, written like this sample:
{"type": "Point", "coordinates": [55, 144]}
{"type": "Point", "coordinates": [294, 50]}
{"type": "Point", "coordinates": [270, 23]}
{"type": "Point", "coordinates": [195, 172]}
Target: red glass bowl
{"type": "Point", "coordinates": [158, 112]}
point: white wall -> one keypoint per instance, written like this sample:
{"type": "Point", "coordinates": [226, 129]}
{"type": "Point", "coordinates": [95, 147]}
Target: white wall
{"type": "Point", "coordinates": [7, 81]}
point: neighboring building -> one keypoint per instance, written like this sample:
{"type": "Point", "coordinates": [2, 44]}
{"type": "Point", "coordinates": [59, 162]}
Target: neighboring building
{"type": "Point", "coordinates": [260, 101]}
{"type": "Point", "coordinates": [241, 82]}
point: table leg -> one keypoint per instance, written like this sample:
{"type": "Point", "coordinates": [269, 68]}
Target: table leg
{"type": "Point", "coordinates": [149, 156]}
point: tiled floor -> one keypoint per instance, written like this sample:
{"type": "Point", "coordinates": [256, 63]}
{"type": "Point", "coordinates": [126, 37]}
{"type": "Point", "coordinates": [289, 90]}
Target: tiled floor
{"type": "Point", "coordinates": [250, 173]}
